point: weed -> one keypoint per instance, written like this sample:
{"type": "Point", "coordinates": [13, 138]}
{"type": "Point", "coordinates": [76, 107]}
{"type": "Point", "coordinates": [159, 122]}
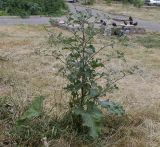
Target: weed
{"type": "Point", "coordinates": [34, 124]}
{"type": "Point", "coordinates": [81, 70]}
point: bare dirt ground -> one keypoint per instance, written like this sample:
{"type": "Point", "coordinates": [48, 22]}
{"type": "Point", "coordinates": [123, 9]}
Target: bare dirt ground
{"type": "Point", "coordinates": [24, 73]}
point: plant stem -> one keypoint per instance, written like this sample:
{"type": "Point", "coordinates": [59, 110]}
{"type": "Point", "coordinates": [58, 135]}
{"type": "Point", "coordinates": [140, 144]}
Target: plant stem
{"type": "Point", "coordinates": [83, 62]}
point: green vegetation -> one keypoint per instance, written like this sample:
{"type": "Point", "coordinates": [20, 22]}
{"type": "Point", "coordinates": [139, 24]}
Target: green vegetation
{"type": "Point", "coordinates": [3, 13]}
{"type": "Point", "coordinates": [81, 70]}
{"type": "Point", "coordinates": [30, 127]}
{"type": "Point", "coordinates": [36, 123]}
{"type": "Point", "coordinates": [33, 7]}
{"type": "Point", "coordinates": [152, 40]}
{"type": "Point", "coordinates": [136, 3]}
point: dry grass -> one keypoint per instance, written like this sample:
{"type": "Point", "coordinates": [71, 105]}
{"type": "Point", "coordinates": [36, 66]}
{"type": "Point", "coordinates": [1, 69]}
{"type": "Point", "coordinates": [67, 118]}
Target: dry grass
{"type": "Point", "coordinates": [26, 74]}
{"type": "Point", "coordinates": [144, 13]}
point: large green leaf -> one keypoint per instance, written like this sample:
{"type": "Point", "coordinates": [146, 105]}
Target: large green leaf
{"type": "Point", "coordinates": [91, 119]}
{"type": "Point", "coordinates": [34, 110]}
{"type": "Point", "coordinates": [112, 107]}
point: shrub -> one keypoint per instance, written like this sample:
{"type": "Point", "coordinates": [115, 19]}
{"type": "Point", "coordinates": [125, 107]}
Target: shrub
{"type": "Point", "coordinates": [21, 7]}
{"type": "Point", "coordinates": [3, 13]}
{"type": "Point", "coordinates": [54, 7]}
{"type": "Point", "coordinates": [33, 7]}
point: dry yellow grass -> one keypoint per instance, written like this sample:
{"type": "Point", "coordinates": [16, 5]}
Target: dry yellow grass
{"type": "Point", "coordinates": [26, 74]}
{"type": "Point", "coordinates": [144, 13]}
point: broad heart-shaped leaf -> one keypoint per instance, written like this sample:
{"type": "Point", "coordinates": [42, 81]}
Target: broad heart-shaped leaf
{"type": "Point", "coordinates": [34, 110]}
{"type": "Point", "coordinates": [91, 119]}
{"type": "Point", "coordinates": [112, 107]}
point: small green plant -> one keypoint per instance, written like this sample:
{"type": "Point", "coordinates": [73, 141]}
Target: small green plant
{"type": "Point", "coordinates": [34, 110]}
{"type": "Point", "coordinates": [81, 66]}
{"type": "Point", "coordinates": [23, 129]}
{"type": "Point", "coordinates": [33, 125]}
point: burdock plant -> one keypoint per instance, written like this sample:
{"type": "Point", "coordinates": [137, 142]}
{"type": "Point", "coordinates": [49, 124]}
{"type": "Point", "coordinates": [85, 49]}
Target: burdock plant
{"type": "Point", "coordinates": [81, 66]}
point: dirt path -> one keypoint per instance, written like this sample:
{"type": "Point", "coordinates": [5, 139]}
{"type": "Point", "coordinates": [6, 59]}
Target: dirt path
{"type": "Point", "coordinates": [36, 20]}
{"type": "Point", "coordinates": [153, 26]}
{"type": "Point", "coordinates": [14, 20]}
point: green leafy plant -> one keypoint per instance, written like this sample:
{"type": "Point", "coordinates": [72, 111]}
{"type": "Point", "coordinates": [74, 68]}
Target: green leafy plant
{"type": "Point", "coordinates": [34, 124]}
{"type": "Point", "coordinates": [81, 66]}
{"type": "Point", "coordinates": [25, 8]}
{"type": "Point", "coordinates": [34, 110]}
